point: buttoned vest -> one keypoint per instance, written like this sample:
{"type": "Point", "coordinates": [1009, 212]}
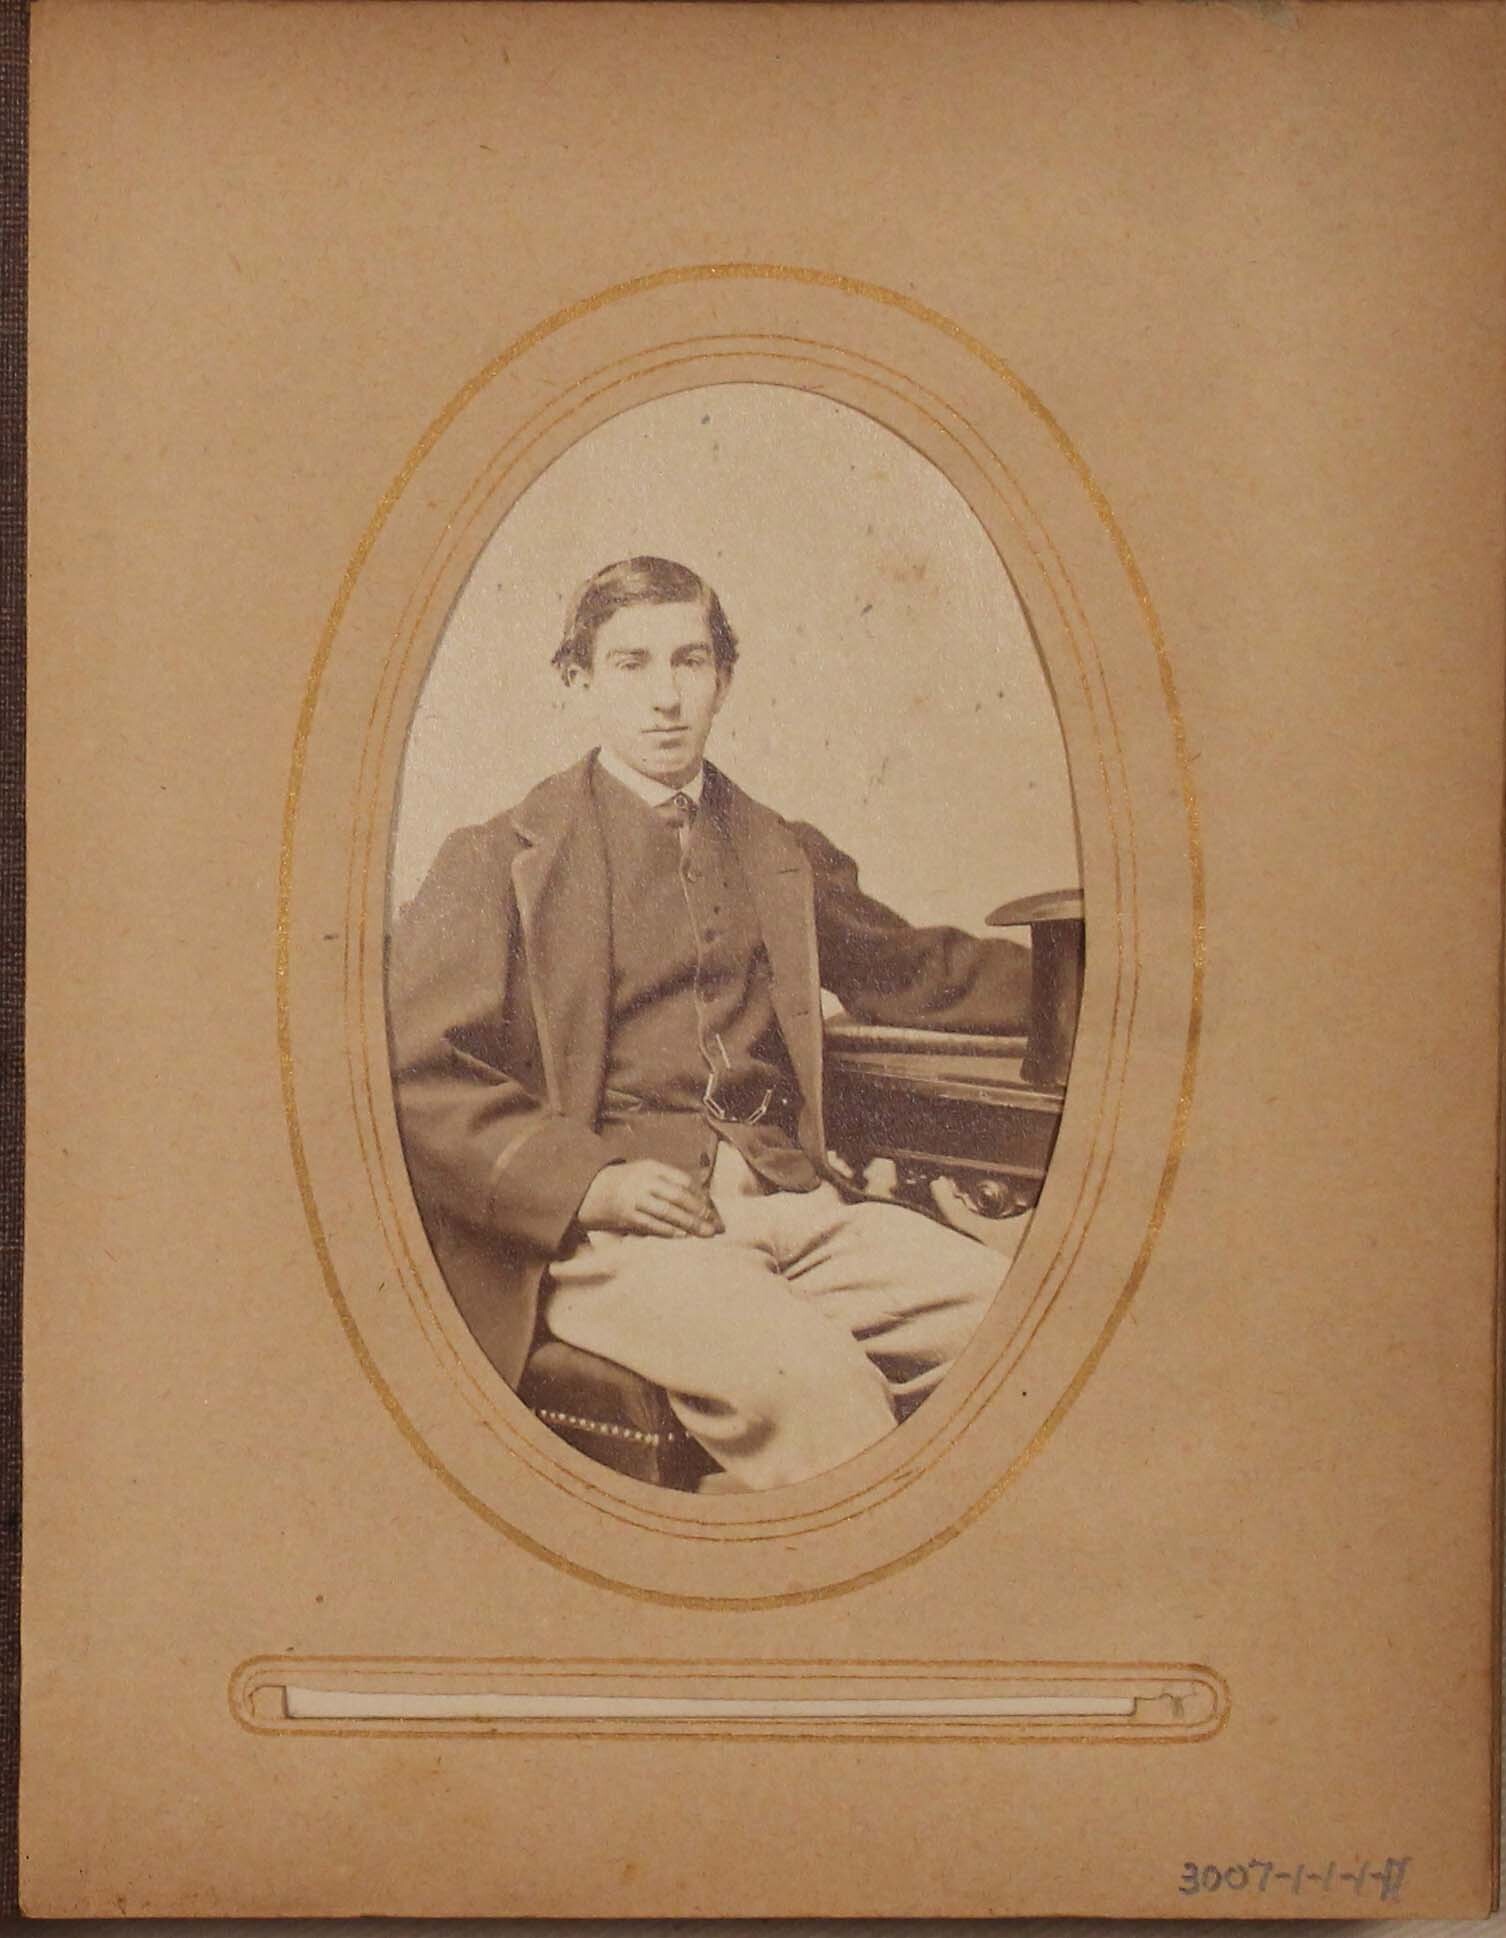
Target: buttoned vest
{"type": "Point", "coordinates": [694, 1051]}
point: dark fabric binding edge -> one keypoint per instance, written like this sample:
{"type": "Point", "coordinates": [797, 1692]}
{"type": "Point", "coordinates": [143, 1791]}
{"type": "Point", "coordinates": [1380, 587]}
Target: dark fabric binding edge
{"type": "Point", "coordinates": [13, 98]}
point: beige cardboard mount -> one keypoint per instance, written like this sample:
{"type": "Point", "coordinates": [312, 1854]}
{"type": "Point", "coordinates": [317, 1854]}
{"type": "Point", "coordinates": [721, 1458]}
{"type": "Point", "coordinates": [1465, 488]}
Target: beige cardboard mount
{"type": "Point", "coordinates": [1178, 1597]}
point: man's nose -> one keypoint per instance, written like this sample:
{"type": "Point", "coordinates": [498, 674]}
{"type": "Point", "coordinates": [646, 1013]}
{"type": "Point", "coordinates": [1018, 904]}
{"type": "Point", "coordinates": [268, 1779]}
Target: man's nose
{"type": "Point", "coordinates": [666, 692]}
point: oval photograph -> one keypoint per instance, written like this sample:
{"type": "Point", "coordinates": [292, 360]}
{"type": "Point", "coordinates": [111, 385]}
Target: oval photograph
{"type": "Point", "coordinates": [735, 938]}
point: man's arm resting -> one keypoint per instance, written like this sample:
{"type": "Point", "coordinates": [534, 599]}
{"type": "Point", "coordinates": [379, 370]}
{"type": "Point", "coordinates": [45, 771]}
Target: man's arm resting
{"type": "Point", "coordinates": [483, 1146]}
{"type": "Point", "coordinates": [541, 1180]}
{"type": "Point", "coordinates": [886, 970]}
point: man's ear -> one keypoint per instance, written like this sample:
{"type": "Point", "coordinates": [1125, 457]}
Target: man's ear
{"type": "Point", "coordinates": [723, 682]}
{"type": "Point", "coordinates": [577, 675]}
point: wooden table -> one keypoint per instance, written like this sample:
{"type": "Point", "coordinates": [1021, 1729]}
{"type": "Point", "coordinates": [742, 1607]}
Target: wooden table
{"type": "Point", "coordinates": [980, 1111]}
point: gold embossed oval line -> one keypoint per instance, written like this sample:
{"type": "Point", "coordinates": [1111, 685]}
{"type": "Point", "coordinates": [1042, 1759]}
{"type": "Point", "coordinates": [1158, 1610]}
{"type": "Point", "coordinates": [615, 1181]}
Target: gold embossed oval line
{"type": "Point", "coordinates": [477, 507]}
{"type": "Point", "coordinates": [731, 273]}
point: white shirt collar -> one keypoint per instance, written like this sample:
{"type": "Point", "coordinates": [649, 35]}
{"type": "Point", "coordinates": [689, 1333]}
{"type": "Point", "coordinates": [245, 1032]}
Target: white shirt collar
{"type": "Point", "coordinates": [654, 792]}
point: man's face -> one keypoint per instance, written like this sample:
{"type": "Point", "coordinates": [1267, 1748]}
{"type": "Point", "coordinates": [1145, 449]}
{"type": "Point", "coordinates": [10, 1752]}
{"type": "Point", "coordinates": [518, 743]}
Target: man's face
{"type": "Point", "coordinates": [655, 687]}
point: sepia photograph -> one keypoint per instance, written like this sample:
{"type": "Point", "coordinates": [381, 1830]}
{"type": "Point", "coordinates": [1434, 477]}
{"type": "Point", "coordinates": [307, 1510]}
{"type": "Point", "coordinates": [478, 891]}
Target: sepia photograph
{"type": "Point", "coordinates": [735, 938]}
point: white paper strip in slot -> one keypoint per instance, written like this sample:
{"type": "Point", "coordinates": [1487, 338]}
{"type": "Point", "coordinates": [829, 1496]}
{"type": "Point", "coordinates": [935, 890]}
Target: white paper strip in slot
{"type": "Point", "coordinates": [430, 1706]}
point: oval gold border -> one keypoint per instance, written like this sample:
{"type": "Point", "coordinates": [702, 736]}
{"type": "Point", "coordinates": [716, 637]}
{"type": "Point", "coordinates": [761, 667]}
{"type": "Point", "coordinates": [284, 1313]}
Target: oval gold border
{"type": "Point", "coordinates": [539, 333]}
{"type": "Point", "coordinates": [549, 1463]}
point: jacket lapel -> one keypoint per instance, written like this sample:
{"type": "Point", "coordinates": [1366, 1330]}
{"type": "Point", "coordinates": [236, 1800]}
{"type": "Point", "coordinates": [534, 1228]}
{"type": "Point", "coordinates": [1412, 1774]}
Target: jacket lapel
{"type": "Point", "coordinates": [563, 897]}
{"type": "Point", "coordinates": [780, 881]}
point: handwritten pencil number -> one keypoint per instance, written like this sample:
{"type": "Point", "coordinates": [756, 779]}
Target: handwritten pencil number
{"type": "Point", "coordinates": [1383, 1877]}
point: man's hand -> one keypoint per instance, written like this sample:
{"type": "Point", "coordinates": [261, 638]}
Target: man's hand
{"type": "Point", "coordinates": [648, 1198]}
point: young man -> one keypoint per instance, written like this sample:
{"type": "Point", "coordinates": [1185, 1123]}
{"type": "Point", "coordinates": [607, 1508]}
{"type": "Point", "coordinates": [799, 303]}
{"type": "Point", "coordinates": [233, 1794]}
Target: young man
{"type": "Point", "coordinates": [606, 1042]}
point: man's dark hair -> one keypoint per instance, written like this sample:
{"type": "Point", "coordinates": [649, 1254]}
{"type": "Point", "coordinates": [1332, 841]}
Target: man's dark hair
{"type": "Point", "coordinates": [639, 582]}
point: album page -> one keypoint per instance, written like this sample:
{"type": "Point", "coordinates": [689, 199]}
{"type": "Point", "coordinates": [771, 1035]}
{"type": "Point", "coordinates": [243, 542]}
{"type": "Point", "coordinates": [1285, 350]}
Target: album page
{"type": "Point", "coordinates": [765, 851]}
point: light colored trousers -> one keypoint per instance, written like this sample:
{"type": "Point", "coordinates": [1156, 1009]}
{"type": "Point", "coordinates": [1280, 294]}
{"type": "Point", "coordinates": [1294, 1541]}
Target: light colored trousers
{"type": "Point", "coordinates": [792, 1340]}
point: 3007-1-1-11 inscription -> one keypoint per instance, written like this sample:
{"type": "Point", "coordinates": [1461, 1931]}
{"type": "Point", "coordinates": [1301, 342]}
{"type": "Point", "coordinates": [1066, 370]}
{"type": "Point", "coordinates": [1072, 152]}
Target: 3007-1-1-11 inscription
{"type": "Point", "coordinates": [1259, 1874]}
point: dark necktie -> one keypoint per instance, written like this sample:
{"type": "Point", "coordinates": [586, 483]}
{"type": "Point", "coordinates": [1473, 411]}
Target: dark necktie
{"type": "Point", "coordinates": [679, 812]}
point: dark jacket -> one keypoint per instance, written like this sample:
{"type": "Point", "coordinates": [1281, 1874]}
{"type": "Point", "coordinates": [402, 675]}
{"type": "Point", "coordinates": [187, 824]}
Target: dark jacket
{"type": "Point", "coordinates": [498, 1002]}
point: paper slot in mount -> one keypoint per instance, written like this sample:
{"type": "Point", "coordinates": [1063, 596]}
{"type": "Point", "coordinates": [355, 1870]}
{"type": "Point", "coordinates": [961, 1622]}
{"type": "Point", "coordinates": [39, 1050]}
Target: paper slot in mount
{"type": "Point", "coordinates": [1080, 1701]}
